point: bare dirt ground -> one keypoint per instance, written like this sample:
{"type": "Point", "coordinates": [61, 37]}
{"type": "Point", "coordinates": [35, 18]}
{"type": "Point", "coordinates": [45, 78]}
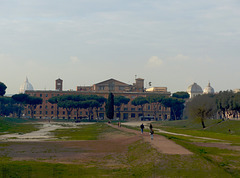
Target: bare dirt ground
{"type": "Point", "coordinates": [33, 146]}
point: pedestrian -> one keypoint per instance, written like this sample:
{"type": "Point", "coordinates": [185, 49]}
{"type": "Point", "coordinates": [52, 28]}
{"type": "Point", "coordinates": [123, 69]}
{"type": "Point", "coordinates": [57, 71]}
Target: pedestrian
{"type": "Point", "coordinates": [151, 133]}
{"type": "Point", "coordinates": [142, 127]}
{"type": "Point", "coordinates": [119, 124]}
{"type": "Point", "coordinates": [150, 127]}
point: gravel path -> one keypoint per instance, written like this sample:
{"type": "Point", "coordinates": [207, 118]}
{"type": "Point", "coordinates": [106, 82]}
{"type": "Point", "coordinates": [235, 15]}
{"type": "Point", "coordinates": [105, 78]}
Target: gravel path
{"type": "Point", "coordinates": [161, 143]}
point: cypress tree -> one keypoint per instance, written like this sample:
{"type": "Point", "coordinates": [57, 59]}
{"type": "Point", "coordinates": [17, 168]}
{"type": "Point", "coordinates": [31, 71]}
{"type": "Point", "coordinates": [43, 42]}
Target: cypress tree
{"type": "Point", "coordinates": [110, 106]}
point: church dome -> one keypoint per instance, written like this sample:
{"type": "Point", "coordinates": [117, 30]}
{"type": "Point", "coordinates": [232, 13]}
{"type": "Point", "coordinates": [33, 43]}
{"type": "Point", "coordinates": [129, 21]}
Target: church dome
{"type": "Point", "coordinates": [194, 90]}
{"type": "Point", "coordinates": [25, 86]}
{"type": "Point", "coordinates": [208, 89]}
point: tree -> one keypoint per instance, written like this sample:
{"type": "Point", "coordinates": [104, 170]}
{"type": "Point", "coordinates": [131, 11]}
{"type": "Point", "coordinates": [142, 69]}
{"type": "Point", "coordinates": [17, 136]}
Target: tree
{"type": "Point", "coordinates": [21, 100]}
{"type": "Point", "coordinates": [68, 105]}
{"type": "Point", "coordinates": [33, 102]}
{"type": "Point", "coordinates": [3, 88]}
{"type": "Point", "coordinates": [24, 99]}
{"type": "Point", "coordinates": [181, 94]}
{"type": "Point", "coordinates": [110, 106]}
{"type": "Point", "coordinates": [140, 101]}
{"type": "Point", "coordinates": [119, 101]}
{"type": "Point", "coordinates": [201, 108]}
{"type": "Point", "coordinates": [54, 100]}
{"type": "Point", "coordinates": [155, 100]}
{"type": "Point", "coordinates": [224, 101]}
{"type": "Point", "coordinates": [176, 105]}
{"type": "Point", "coordinates": [100, 101]}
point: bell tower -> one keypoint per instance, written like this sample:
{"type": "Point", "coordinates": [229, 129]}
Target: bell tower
{"type": "Point", "coordinates": [59, 84]}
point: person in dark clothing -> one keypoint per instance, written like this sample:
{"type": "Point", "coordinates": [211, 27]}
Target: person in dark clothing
{"type": "Point", "coordinates": [151, 131]}
{"type": "Point", "coordinates": [150, 127]}
{"type": "Point", "coordinates": [151, 134]}
{"type": "Point", "coordinates": [142, 127]}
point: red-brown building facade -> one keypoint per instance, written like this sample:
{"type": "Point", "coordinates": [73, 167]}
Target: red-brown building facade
{"type": "Point", "coordinates": [129, 112]}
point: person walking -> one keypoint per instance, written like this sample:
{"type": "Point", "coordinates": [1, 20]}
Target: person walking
{"type": "Point", "coordinates": [150, 126]}
{"type": "Point", "coordinates": [151, 131]}
{"type": "Point", "coordinates": [142, 127]}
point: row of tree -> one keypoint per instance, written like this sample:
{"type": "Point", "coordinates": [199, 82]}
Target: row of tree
{"type": "Point", "coordinates": [223, 105]}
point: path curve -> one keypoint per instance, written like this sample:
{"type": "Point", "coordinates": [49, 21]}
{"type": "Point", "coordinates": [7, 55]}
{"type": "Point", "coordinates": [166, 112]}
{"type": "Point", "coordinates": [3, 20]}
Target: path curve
{"type": "Point", "coordinates": [161, 143]}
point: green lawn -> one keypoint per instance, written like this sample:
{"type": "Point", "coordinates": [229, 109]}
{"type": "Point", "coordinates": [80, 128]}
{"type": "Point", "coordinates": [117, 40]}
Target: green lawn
{"type": "Point", "coordinates": [12, 125]}
{"type": "Point", "coordinates": [83, 132]}
{"type": "Point", "coordinates": [227, 159]}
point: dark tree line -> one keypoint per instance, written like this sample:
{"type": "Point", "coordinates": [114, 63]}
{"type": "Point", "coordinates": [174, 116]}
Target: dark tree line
{"type": "Point", "coordinates": [69, 102]}
{"type": "Point", "coordinates": [175, 103]}
{"type": "Point", "coordinates": [224, 105]}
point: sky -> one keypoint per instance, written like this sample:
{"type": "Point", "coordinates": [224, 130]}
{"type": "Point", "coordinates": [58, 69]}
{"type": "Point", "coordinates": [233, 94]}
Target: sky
{"type": "Point", "coordinates": [168, 43]}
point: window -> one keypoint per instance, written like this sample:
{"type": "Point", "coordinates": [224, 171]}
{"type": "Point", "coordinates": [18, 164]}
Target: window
{"type": "Point", "coordinates": [121, 87]}
{"type": "Point", "coordinates": [63, 112]}
{"type": "Point", "coordinates": [40, 95]}
{"type": "Point", "coordinates": [45, 107]}
{"type": "Point", "coordinates": [125, 109]}
{"type": "Point", "coordinates": [52, 107]}
{"type": "Point", "coordinates": [52, 112]}
{"type": "Point", "coordinates": [139, 109]}
{"type": "Point", "coordinates": [46, 95]}
{"type": "Point", "coordinates": [40, 112]}
{"type": "Point", "coordinates": [132, 109]}
{"type": "Point", "coordinates": [133, 115]}
{"type": "Point", "coordinates": [149, 107]}
{"type": "Point", "coordinates": [101, 87]}
{"type": "Point", "coordinates": [46, 112]}
{"type": "Point", "coordinates": [101, 109]}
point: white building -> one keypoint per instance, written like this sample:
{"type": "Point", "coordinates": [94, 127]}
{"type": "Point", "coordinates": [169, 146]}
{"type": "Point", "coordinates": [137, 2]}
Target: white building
{"type": "Point", "coordinates": [25, 86]}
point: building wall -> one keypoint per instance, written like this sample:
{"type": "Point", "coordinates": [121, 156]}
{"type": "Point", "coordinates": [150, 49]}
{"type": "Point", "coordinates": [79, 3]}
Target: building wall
{"type": "Point", "coordinates": [129, 111]}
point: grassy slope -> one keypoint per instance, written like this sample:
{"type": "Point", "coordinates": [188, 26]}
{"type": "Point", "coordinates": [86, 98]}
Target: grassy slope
{"type": "Point", "coordinates": [12, 125]}
{"type": "Point", "coordinates": [226, 159]}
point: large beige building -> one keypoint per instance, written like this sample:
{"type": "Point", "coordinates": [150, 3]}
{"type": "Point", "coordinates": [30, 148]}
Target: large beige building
{"type": "Point", "coordinates": [128, 112]}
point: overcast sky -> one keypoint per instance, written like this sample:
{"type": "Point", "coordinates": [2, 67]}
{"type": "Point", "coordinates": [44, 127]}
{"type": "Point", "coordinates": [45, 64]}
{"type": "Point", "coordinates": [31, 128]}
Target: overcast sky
{"type": "Point", "coordinates": [169, 43]}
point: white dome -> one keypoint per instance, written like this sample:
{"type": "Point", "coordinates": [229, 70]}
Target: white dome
{"type": "Point", "coordinates": [194, 88]}
{"type": "Point", "coordinates": [25, 86]}
{"type": "Point", "coordinates": [208, 89]}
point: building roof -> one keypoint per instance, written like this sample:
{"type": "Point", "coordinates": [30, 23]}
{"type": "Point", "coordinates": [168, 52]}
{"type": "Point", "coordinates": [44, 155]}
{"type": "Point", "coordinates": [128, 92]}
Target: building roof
{"type": "Point", "coordinates": [208, 89]}
{"type": "Point", "coordinates": [111, 80]}
{"type": "Point", "coordinates": [194, 88]}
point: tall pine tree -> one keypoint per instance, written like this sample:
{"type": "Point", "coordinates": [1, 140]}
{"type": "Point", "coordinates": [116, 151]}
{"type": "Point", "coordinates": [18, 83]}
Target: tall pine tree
{"type": "Point", "coordinates": [110, 106]}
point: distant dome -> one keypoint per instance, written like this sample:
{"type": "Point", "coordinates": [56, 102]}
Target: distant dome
{"type": "Point", "coordinates": [194, 90]}
{"type": "Point", "coordinates": [25, 86]}
{"type": "Point", "coordinates": [208, 89]}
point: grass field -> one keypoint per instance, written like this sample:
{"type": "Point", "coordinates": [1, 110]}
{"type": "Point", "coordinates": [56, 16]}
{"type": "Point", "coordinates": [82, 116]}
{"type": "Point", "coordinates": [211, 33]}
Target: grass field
{"type": "Point", "coordinates": [227, 159]}
{"type": "Point", "coordinates": [138, 160]}
{"type": "Point", "coordinates": [13, 125]}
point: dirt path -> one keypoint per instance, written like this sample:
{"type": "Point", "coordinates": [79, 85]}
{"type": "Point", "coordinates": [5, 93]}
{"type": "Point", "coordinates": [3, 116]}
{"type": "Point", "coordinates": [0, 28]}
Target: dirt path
{"type": "Point", "coordinates": [44, 132]}
{"type": "Point", "coordinates": [161, 143]}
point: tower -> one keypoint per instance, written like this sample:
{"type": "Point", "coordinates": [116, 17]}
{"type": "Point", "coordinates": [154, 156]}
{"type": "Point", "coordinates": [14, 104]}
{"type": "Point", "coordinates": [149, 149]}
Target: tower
{"type": "Point", "coordinates": [59, 84]}
{"type": "Point", "coordinates": [139, 84]}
